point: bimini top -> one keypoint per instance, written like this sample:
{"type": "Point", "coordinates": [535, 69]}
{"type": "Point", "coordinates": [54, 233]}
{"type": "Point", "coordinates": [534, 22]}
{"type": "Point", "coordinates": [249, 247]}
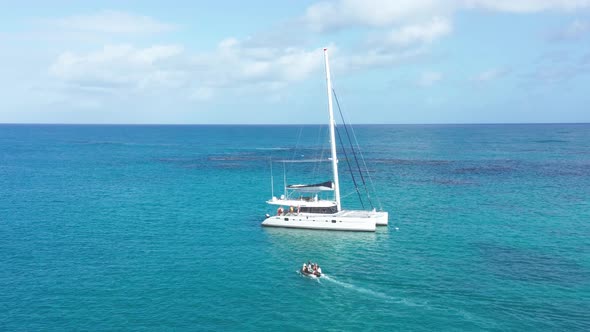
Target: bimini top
{"type": "Point", "coordinates": [324, 186]}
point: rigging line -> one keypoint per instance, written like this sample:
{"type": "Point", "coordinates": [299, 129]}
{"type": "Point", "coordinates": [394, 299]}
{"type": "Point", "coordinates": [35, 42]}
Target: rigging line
{"type": "Point", "coordinates": [293, 156]}
{"type": "Point", "coordinates": [272, 185]}
{"type": "Point", "coordinates": [346, 195]}
{"type": "Point", "coordinates": [292, 159]}
{"type": "Point", "coordinates": [349, 168]}
{"type": "Point", "coordinates": [315, 165]}
{"type": "Point", "coordinates": [366, 168]}
{"type": "Point", "coordinates": [320, 150]}
{"type": "Point", "coordinates": [324, 147]}
{"type": "Point", "coordinates": [352, 148]}
{"type": "Point", "coordinates": [297, 144]}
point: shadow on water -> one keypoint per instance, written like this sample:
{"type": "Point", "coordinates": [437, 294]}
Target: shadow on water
{"type": "Point", "coordinates": [310, 238]}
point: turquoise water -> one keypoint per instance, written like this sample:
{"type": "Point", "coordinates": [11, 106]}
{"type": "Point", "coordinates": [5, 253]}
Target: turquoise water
{"type": "Point", "coordinates": [158, 227]}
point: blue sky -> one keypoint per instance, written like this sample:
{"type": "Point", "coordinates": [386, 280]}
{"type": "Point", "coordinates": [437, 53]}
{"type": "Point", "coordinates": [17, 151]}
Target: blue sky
{"type": "Point", "coordinates": [405, 61]}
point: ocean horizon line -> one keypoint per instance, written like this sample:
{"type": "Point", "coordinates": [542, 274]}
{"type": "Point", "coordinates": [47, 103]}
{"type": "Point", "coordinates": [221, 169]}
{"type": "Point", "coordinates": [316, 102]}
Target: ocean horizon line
{"type": "Point", "coordinates": [289, 124]}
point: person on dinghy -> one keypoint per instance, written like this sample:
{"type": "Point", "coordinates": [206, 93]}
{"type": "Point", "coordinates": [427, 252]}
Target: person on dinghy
{"type": "Point", "coordinates": [311, 269]}
{"type": "Point", "coordinates": [306, 269]}
{"type": "Point", "coordinates": [317, 270]}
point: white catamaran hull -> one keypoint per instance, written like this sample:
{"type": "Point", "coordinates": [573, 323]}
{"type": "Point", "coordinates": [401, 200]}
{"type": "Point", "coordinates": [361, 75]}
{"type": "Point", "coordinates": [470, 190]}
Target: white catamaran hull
{"type": "Point", "coordinates": [382, 218]}
{"type": "Point", "coordinates": [360, 221]}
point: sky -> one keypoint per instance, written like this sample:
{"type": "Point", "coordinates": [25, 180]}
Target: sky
{"type": "Point", "coordinates": [261, 62]}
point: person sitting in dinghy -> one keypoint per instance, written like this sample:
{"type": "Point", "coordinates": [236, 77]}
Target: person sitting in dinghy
{"type": "Point", "coordinates": [311, 269]}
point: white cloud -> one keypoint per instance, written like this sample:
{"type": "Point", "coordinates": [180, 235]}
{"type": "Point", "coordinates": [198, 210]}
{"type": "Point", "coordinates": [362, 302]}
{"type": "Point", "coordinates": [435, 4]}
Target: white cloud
{"type": "Point", "coordinates": [235, 63]}
{"type": "Point", "coordinates": [345, 14]}
{"type": "Point", "coordinates": [376, 58]}
{"type": "Point", "coordinates": [328, 15]}
{"type": "Point", "coordinates": [231, 65]}
{"type": "Point", "coordinates": [152, 54]}
{"type": "Point", "coordinates": [340, 14]}
{"type": "Point", "coordinates": [429, 78]}
{"type": "Point", "coordinates": [397, 31]}
{"type": "Point", "coordinates": [394, 31]}
{"type": "Point", "coordinates": [419, 33]}
{"type": "Point", "coordinates": [527, 6]}
{"type": "Point", "coordinates": [112, 22]}
{"type": "Point", "coordinates": [117, 66]}
{"type": "Point", "coordinates": [491, 74]}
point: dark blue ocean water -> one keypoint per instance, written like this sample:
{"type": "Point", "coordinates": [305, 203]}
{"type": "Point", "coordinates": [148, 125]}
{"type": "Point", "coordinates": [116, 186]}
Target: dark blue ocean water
{"type": "Point", "coordinates": [158, 228]}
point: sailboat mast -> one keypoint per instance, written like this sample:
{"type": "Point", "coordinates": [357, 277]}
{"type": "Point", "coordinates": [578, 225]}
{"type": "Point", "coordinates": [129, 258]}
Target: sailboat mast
{"type": "Point", "coordinates": [272, 183]}
{"type": "Point", "coordinates": [332, 134]}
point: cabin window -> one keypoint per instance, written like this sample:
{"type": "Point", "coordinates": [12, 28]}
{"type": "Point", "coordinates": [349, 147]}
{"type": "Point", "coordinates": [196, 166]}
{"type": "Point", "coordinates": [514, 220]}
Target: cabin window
{"type": "Point", "coordinates": [334, 221]}
{"type": "Point", "coordinates": [286, 219]}
{"type": "Point", "coordinates": [323, 210]}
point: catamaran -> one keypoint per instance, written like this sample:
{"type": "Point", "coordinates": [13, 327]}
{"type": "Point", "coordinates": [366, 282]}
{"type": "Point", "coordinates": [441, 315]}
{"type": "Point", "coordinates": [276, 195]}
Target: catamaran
{"type": "Point", "coordinates": [307, 209]}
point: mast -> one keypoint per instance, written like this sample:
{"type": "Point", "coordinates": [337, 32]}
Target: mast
{"type": "Point", "coordinates": [272, 184]}
{"type": "Point", "coordinates": [332, 134]}
{"type": "Point", "coordinates": [284, 181]}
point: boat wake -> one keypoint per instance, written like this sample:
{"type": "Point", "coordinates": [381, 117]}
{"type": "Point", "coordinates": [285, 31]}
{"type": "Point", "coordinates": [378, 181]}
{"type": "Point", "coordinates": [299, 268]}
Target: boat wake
{"type": "Point", "coordinates": [357, 288]}
{"type": "Point", "coordinates": [373, 293]}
